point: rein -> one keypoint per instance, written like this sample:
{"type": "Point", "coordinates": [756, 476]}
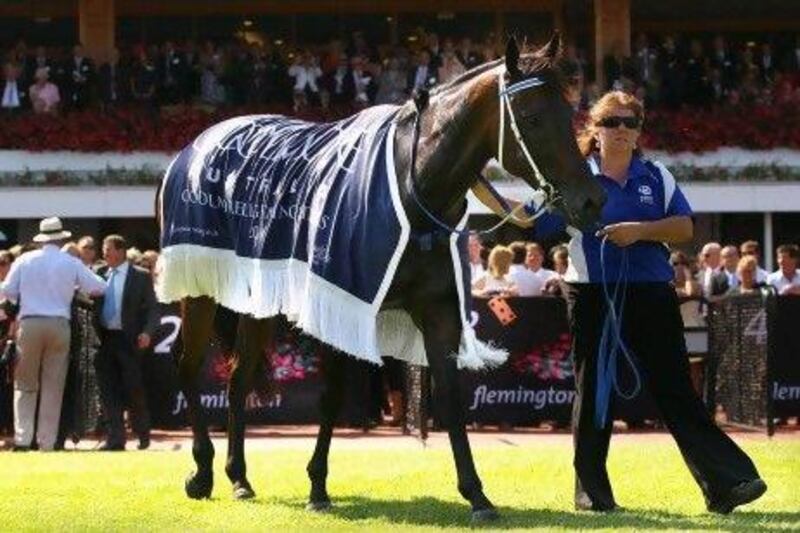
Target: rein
{"type": "Point", "coordinates": [550, 193]}
{"type": "Point", "coordinates": [611, 344]}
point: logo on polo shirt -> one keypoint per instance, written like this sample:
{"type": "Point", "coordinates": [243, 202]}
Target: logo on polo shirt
{"type": "Point", "coordinates": [645, 194]}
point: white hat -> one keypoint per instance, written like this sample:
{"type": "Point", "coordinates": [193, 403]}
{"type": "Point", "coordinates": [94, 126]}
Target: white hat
{"type": "Point", "coordinates": [51, 229]}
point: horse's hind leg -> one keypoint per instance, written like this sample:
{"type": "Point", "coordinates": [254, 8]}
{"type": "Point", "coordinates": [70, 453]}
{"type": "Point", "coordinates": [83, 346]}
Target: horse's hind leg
{"type": "Point", "coordinates": [442, 333]}
{"type": "Point", "coordinates": [330, 405]}
{"type": "Point", "coordinates": [196, 330]}
{"type": "Point", "coordinates": [252, 336]}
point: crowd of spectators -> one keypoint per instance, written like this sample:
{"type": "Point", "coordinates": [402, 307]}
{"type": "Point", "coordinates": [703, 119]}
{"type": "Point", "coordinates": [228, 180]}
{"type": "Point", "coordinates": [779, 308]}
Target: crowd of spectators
{"type": "Point", "coordinates": [670, 72]}
{"type": "Point", "coordinates": [125, 316]}
{"type": "Point", "coordinates": [520, 269]}
{"type": "Point", "coordinates": [524, 269]}
{"type": "Point", "coordinates": [673, 72]}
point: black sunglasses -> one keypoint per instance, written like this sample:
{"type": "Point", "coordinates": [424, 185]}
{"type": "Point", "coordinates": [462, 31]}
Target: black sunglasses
{"type": "Point", "coordinates": [631, 123]}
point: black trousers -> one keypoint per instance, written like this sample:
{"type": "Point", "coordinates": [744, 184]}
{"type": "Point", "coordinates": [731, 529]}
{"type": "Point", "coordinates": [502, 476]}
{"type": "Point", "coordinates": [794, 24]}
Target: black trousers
{"type": "Point", "coordinates": [119, 373]}
{"type": "Point", "coordinates": [653, 329]}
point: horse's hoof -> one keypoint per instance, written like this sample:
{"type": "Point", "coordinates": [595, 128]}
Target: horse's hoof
{"type": "Point", "coordinates": [243, 491]}
{"type": "Point", "coordinates": [322, 506]}
{"type": "Point", "coordinates": [482, 516]}
{"type": "Point", "coordinates": [199, 486]}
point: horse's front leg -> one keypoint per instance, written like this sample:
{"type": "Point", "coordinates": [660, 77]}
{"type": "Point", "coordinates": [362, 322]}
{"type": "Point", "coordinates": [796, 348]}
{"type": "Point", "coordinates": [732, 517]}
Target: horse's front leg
{"type": "Point", "coordinates": [330, 405]}
{"type": "Point", "coordinates": [442, 327]}
{"type": "Point", "coordinates": [197, 326]}
{"type": "Point", "coordinates": [251, 339]}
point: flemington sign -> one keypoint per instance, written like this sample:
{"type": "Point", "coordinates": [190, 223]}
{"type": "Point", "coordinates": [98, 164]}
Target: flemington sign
{"type": "Point", "coordinates": [537, 384]}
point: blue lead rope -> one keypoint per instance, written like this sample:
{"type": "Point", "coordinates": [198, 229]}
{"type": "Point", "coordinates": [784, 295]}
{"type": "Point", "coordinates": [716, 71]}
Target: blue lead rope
{"type": "Point", "coordinates": [611, 343]}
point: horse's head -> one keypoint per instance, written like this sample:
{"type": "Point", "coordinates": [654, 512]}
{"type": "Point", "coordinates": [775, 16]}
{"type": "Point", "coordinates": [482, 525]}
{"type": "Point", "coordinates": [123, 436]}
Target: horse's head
{"type": "Point", "coordinates": [535, 88]}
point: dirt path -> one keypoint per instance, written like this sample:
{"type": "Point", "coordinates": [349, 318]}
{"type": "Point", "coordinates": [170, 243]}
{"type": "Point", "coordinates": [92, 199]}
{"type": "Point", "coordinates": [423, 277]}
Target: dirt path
{"type": "Point", "coordinates": [303, 437]}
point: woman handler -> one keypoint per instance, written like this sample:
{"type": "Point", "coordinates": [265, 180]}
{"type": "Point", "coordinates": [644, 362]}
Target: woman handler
{"type": "Point", "coordinates": [626, 264]}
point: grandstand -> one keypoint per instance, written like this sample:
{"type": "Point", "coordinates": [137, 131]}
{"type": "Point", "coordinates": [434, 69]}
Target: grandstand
{"type": "Point", "coordinates": [732, 141]}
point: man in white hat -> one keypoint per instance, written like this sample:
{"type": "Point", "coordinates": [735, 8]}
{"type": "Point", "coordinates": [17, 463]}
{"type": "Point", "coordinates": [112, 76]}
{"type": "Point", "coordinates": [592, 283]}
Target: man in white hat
{"type": "Point", "coordinates": [44, 281]}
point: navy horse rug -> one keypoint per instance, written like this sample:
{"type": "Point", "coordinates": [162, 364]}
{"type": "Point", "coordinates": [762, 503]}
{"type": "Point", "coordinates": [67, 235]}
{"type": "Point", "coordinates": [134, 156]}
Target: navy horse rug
{"type": "Point", "coordinates": [269, 215]}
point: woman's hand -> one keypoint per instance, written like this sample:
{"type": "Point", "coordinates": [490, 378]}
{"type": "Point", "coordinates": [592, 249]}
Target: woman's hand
{"type": "Point", "coordinates": [622, 234]}
{"type": "Point", "coordinates": [670, 230]}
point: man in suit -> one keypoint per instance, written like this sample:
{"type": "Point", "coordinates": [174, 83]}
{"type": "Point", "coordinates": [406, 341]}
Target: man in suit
{"type": "Point", "coordinates": [727, 278]}
{"type": "Point", "coordinates": [170, 70]}
{"type": "Point", "coordinates": [709, 276]}
{"type": "Point", "coordinates": [113, 82]}
{"type": "Point", "coordinates": [723, 59]}
{"type": "Point", "coordinates": [80, 79]}
{"type": "Point", "coordinates": [424, 75]}
{"type": "Point", "coordinates": [358, 83]}
{"type": "Point", "coordinates": [338, 82]}
{"type": "Point", "coordinates": [127, 317]}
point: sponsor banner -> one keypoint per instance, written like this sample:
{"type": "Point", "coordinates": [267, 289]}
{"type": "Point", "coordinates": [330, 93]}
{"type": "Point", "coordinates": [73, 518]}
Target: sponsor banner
{"type": "Point", "coordinates": [537, 383]}
{"type": "Point", "coordinates": [287, 384]}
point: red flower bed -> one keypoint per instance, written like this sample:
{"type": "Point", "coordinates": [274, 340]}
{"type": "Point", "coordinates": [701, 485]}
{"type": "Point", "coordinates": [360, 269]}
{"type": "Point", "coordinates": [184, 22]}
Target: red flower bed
{"type": "Point", "coordinates": [756, 128]}
{"type": "Point", "coordinates": [126, 130]}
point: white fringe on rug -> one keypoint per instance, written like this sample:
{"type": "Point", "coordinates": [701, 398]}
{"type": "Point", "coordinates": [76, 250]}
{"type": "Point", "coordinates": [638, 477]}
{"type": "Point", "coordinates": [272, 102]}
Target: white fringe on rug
{"type": "Point", "coordinates": [264, 288]}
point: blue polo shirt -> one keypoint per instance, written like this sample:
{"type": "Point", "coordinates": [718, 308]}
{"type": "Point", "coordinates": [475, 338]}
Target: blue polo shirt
{"type": "Point", "coordinates": [649, 193]}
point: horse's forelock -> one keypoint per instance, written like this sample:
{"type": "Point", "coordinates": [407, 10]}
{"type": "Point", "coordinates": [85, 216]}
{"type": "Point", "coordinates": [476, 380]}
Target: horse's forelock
{"type": "Point", "coordinates": [534, 61]}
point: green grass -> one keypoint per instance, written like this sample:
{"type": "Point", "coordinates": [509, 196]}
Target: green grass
{"type": "Point", "coordinates": [381, 489]}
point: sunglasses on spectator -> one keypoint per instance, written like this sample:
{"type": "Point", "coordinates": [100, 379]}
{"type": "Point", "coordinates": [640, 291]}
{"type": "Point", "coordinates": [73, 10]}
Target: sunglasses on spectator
{"type": "Point", "coordinates": [631, 123]}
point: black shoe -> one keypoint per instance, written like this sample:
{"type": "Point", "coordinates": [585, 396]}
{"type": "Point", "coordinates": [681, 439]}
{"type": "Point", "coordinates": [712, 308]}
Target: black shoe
{"type": "Point", "coordinates": [743, 493]}
{"type": "Point", "coordinates": [111, 447]}
{"type": "Point", "coordinates": [144, 443]}
{"type": "Point", "coordinates": [20, 448]}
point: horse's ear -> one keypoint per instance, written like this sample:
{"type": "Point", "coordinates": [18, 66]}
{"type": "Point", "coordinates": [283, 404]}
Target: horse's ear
{"type": "Point", "coordinates": [553, 47]}
{"type": "Point", "coordinates": [512, 58]}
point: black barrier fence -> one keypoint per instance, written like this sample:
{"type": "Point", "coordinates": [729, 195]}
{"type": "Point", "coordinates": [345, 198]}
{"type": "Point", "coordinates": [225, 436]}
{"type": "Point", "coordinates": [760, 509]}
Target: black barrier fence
{"type": "Point", "coordinates": [754, 358]}
{"type": "Point", "coordinates": [80, 412]}
{"type": "Point", "coordinates": [754, 371]}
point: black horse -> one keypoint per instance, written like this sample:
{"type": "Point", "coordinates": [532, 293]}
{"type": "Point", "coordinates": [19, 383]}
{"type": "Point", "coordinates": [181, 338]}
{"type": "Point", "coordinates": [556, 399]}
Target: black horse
{"type": "Point", "coordinates": [447, 140]}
